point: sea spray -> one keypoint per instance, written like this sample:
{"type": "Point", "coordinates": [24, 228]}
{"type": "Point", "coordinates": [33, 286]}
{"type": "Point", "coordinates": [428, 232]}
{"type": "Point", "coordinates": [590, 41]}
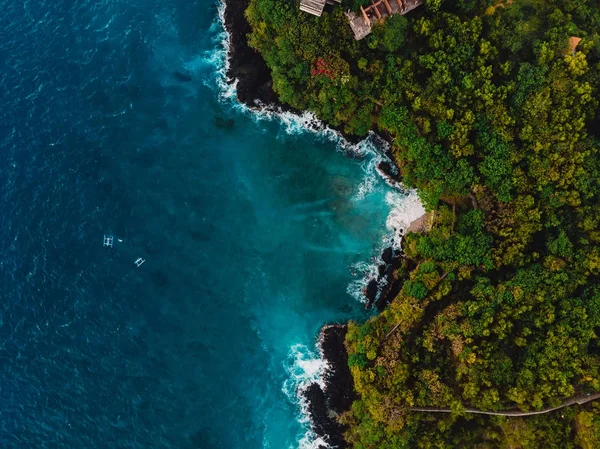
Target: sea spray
{"type": "Point", "coordinates": [304, 367]}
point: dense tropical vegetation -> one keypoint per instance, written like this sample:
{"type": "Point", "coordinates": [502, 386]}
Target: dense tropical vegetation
{"type": "Point", "coordinates": [497, 123]}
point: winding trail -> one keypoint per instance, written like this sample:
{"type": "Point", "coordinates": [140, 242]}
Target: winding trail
{"type": "Point", "coordinates": [581, 399]}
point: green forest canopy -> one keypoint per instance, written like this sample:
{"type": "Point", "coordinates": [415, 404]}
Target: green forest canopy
{"type": "Point", "coordinates": [497, 123]}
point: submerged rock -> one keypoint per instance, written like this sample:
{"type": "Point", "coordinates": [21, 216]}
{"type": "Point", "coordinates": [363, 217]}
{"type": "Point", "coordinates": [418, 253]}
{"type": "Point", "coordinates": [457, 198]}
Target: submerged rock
{"type": "Point", "coordinates": [183, 76]}
{"type": "Point", "coordinates": [224, 123]}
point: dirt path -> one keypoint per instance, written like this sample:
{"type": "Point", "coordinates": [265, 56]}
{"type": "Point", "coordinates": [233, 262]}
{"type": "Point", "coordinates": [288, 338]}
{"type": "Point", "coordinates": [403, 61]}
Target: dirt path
{"type": "Point", "coordinates": [581, 399]}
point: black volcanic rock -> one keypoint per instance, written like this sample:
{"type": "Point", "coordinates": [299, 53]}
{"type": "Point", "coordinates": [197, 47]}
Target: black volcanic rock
{"type": "Point", "coordinates": [339, 385]}
{"type": "Point", "coordinates": [394, 280]}
{"type": "Point", "coordinates": [389, 171]}
{"type": "Point", "coordinates": [317, 409]}
{"type": "Point", "coordinates": [246, 64]}
{"type": "Point", "coordinates": [325, 405]}
{"type": "Point", "coordinates": [371, 292]}
{"type": "Point", "coordinates": [387, 255]}
{"type": "Point", "coordinates": [389, 292]}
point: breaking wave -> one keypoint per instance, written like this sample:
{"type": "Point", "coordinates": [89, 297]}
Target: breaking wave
{"type": "Point", "coordinates": [304, 367]}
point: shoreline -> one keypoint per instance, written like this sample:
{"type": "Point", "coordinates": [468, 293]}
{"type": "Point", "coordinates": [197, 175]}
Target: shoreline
{"type": "Point", "coordinates": [254, 88]}
{"type": "Point", "coordinates": [325, 404]}
{"type": "Point", "coordinates": [245, 64]}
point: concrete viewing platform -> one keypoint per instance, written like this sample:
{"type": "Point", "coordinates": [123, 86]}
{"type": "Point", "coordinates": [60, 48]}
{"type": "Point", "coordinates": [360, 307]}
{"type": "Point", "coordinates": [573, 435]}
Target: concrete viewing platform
{"type": "Point", "coordinates": [362, 23]}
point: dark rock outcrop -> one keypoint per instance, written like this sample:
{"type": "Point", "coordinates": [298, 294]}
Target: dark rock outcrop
{"type": "Point", "coordinates": [324, 406]}
{"type": "Point", "coordinates": [324, 426]}
{"type": "Point", "coordinates": [394, 280]}
{"type": "Point", "coordinates": [245, 64]}
{"type": "Point", "coordinates": [383, 289]}
{"type": "Point", "coordinates": [391, 288]}
{"type": "Point", "coordinates": [339, 385]}
{"type": "Point", "coordinates": [389, 172]}
{"type": "Point", "coordinates": [387, 255]}
{"type": "Point", "coordinates": [371, 291]}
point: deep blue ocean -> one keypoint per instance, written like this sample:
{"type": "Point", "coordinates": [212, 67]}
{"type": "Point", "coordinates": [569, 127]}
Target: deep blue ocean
{"type": "Point", "coordinates": [254, 233]}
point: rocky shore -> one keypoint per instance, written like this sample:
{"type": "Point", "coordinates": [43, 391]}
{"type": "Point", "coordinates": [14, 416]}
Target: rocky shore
{"type": "Point", "coordinates": [255, 88]}
{"type": "Point", "coordinates": [325, 405]}
{"type": "Point", "coordinates": [246, 64]}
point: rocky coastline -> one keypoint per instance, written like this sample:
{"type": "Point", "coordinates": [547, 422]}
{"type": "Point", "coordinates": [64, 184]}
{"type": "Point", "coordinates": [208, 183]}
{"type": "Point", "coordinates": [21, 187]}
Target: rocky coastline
{"type": "Point", "coordinates": [255, 88]}
{"type": "Point", "coordinates": [382, 290]}
{"type": "Point", "coordinates": [326, 404]}
{"type": "Point", "coordinates": [246, 64]}
{"type": "Point", "coordinates": [254, 84]}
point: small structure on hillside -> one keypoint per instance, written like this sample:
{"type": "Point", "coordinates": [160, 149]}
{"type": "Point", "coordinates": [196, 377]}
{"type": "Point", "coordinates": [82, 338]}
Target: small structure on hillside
{"type": "Point", "coordinates": [315, 7]}
{"type": "Point", "coordinates": [362, 23]}
{"type": "Point", "coordinates": [573, 43]}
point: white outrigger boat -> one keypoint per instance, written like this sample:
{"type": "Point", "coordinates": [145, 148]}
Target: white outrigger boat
{"type": "Point", "coordinates": [108, 240]}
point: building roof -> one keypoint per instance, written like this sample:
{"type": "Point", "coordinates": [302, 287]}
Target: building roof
{"type": "Point", "coordinates": [573, 42]}
{"type": "Point", "coordinates": [314, 7]}
{"type": "Point", "coordinates": [361, 23]}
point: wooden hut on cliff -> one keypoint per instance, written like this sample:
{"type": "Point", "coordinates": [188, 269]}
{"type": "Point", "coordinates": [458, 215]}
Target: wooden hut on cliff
{"type": "Point", "coordinates": [362, 23]}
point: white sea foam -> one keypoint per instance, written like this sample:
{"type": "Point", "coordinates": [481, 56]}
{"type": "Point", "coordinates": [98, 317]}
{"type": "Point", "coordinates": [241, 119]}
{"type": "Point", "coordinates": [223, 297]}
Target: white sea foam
{"type": "Point", "coordinates": [363, 273]}
{"type": "Point", "coordinates": [311, 441]}
{"type": "Point", "coordinates": [404, 209]}
{"type": "Point", "coordinates": [304, 367]}
{"type": "Point", "coordinates": [218, 58]}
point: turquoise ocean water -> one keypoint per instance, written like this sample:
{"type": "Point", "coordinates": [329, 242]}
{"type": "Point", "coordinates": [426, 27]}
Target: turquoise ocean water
{"type": "Point", "coordinates": [255, 232]}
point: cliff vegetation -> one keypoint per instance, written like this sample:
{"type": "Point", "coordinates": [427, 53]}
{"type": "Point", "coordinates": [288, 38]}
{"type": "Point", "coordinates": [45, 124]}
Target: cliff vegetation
{"type": "Point", "coordinates": [495, 119]}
